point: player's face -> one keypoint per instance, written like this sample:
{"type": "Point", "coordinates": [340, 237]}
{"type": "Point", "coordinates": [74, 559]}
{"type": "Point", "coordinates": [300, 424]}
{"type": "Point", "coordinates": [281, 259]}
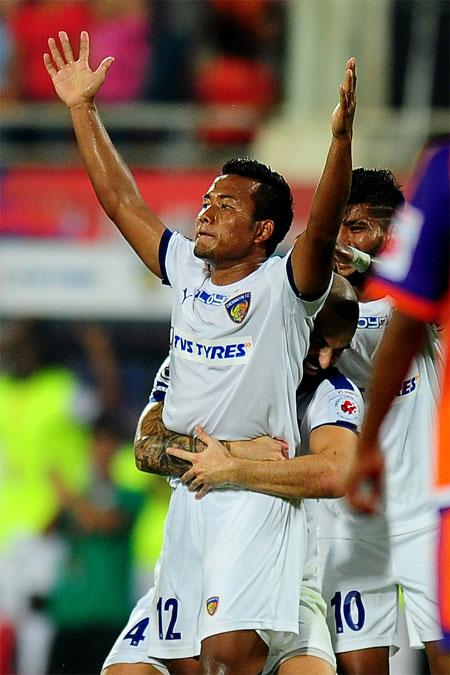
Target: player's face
{"type": "Point", "coordinates": [225, 227]}
{"type": "Point", "coordinates": [324, 351]}
{"type": "Point", "coordinates": [364, 229]}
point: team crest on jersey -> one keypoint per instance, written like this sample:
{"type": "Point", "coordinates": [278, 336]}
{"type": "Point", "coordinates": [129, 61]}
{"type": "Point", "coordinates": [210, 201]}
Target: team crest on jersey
{"type": "Point", "coordinates": [238, 307]}
{"type": "Point", "coordinates": [212, 604]}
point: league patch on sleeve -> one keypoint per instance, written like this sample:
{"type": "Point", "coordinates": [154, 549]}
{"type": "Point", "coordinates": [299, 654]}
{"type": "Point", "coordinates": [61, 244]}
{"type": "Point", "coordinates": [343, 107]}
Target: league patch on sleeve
{"type": "Point", "coordinates": [238, 307]}
{"type": "Point", "coordinates": [347, 407]}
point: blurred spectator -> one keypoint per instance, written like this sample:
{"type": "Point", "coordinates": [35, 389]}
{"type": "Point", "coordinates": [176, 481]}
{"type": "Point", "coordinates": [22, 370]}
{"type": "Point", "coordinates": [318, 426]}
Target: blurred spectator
{"type": "Point", "coordinates": [45, 414]}
{"type": "Point", "coordinates": [225, 82]}
{"type": "Point", "coordinates": [176, 26]}
{"type": "Point", "coordinates": [242, 69]}
{"type": "Point", "coordinates": [32, 23]}
{"type": "Point", "coordinates": [92, 596]}
{"type": "Point", "coordinates": [122, 29]}
{"type": "Point", "coordinates": [8, 83]}
{"type": "Point", "coordinates": [250, 28]}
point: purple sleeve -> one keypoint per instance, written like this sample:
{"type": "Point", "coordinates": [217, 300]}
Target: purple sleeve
{"type": "Point", "coordinates": [416, 262]}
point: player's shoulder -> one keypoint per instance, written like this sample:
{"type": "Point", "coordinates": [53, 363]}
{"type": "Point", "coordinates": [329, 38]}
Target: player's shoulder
{"type": "Point", "coordinates": [337, 400]}
{"type": "Point", "coordinates": [337, 381]}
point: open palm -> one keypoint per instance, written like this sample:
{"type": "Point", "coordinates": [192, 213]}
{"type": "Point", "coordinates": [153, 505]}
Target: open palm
{"type": "Point", "coordinates": [343, 114]}
{"type": "Point", "coordinates": [74, 81]}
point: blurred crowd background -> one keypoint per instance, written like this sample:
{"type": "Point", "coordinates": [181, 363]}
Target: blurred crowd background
{"type": "Point", "coordinates": [84, 325]}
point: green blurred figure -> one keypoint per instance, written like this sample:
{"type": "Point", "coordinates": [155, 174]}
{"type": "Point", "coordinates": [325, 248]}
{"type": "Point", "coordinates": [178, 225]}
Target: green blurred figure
{"type": "Point", "coordinates": [93, 594]}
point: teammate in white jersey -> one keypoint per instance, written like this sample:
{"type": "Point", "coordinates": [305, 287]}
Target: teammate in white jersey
{"type": "Point", "coordinates": [240, 326]}
{"type": "Point", "coordinates": [366, 559]}
{"type": "Point", "coordinates": [330, 410]}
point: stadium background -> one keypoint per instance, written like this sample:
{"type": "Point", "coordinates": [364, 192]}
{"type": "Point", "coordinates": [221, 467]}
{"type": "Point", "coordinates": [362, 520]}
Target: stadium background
{"type": "Point", "coordinates": [196, 82]}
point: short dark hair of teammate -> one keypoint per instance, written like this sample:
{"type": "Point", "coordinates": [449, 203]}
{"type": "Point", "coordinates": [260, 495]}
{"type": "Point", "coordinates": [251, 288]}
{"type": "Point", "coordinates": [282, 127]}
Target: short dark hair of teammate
{"type": "Point", "coordinates": [333, 330]}
{"type": "Point", "coordinates": [375, 195]}
{"type": "Point", "coordinates": [273, 199]}
{"type": "Point", "coordinates": [377, 187]}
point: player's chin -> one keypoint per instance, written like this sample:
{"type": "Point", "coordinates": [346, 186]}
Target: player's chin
{"type": "Point", "coordinates": [311, 369]}
{"type": "Point", "coordinates": [201, 248]}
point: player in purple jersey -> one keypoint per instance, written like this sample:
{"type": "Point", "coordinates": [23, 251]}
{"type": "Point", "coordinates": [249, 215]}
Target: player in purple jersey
{"type": "Point", "coordinates": [414, 270]}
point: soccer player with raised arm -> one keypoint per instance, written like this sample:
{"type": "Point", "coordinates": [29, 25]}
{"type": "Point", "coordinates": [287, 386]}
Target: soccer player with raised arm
{"type": "Point", "coordinates": [366, 560]}
{"type": "Point", "coordinates": [414, 270]}
{"type": "Point", "coordinates": [230, 571]}
{"type": "Point", "coordinates": [330, 412]}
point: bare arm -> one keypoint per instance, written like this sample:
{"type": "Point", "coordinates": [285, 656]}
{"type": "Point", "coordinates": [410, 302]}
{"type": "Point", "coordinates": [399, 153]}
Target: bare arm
{"type": "Point", "coordinates": [312, 255]}
{"type": "Point", "coordinates": [402, 340]}
{"type": "Point", "coordinates": [154, 439]}
{"type": "Point", "coordinates": [76, 85]}
{"type": "Point", "coordinates": [321, 474]}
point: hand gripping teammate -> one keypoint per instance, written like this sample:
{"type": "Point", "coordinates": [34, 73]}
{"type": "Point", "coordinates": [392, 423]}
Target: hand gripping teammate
{"type": "Point", "coordinates": [330, 412]}
{"type": "Point", "coordinates": [227, 581]}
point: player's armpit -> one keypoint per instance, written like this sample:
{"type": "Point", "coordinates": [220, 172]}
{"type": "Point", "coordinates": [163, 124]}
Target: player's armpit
{"type": "Point", "coordinates": [150, 448]}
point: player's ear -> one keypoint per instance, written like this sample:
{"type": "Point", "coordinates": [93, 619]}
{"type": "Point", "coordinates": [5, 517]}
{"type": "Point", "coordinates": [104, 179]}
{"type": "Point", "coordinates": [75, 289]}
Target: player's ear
{"type": "Point", "coordinates": [264, 230]}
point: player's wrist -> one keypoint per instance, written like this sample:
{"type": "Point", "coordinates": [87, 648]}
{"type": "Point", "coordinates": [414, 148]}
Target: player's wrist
{"type": "Point", "coordinates": [342, 138]}
{"type": "Point", "coordinates": [85, 105]}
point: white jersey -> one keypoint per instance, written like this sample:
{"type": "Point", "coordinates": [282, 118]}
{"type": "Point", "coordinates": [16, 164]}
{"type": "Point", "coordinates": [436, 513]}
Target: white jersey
{"type": "Point", "coordinates": [406, 434]}
{"type": "Point", "coordinates": [236, 351]}
{"type": "Point", "coordinates": [336, 401]}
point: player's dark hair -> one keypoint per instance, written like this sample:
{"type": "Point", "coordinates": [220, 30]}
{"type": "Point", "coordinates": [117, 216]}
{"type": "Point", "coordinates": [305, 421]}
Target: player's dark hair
{"type": "Point", "coordinates": [378, 187]}
{"type": "Point", "coordinates": [273, 199]}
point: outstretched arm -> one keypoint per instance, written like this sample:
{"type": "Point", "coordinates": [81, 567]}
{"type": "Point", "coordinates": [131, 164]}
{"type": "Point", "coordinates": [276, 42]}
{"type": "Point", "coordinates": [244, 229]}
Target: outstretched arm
{"type": "Point", "coordinates": [76, 85]}
{"type": "Point", "coordinates": [312, 255]}
{"type": "Point", "coordinates": [402, 340]}
{"type": "Point", "coordinates": [153, 440]}
{"type": "Point", "coordinates": [320, 474]}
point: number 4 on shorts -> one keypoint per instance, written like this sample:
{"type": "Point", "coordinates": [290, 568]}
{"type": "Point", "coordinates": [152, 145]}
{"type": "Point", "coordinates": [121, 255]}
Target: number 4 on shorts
{"type": "Point", "coordinates": [137, 633]}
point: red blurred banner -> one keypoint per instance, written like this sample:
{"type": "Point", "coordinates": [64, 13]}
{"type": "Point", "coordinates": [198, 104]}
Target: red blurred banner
{"type": "Point", "coordinates": [60, 203]}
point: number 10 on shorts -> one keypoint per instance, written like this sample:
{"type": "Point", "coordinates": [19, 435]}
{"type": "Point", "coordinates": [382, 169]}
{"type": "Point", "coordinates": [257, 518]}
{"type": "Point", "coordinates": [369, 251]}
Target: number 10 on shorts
{"type": "Point", "coordinates": [352, 608]}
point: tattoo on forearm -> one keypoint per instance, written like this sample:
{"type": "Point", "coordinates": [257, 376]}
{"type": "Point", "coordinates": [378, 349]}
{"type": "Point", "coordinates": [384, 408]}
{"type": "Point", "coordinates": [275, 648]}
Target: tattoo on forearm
{"type": "Point", "coordinates": [151, 453]}
{"type": "Point", "coordinates": [150, 448]}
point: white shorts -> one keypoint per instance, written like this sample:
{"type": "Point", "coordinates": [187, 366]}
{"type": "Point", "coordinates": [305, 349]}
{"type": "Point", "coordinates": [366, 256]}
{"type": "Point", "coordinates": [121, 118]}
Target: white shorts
{"type": "Point", "coordinates": [313, 637]}
{"type": "Point", "coordinates": [132, 644]}
{"type": "Point", "coordinates": [360, 586]}
{"type": "Point", "coordinates": [231, 561]}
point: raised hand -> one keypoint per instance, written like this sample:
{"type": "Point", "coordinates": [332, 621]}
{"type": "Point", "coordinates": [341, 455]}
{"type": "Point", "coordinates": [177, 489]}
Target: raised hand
{"type": "Point", "coordinates": [343, 114]}
{"type": "Point", "coordinates": [74, 81]}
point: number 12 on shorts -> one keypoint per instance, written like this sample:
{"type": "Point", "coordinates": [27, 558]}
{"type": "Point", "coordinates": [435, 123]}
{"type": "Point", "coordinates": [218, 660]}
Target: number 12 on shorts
{"type": "Point", "coordinates": [167, 618]}
{"type": "Point", "coordinates": [352, 608]}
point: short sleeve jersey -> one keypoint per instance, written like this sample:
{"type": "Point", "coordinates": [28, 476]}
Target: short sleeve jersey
{"type": "Point", "coordinates": [407, 428]}
{"type": "Point", "coordinates": [236, 351]}
{"type": "Point", "coordinates": [337, 402]}
{"type": "Point", "coordinates": [414, 270]}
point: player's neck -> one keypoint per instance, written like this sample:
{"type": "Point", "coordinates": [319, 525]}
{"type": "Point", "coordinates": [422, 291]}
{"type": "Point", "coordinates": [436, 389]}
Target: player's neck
{"type": "Point", "coordinates": [229, 273]}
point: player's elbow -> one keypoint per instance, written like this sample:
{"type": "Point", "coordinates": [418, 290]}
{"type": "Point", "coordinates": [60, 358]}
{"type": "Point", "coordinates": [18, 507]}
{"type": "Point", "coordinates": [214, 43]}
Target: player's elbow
{"type": "Point", "coordinates": [140, 455]}
{"type": "Point", "coordinates": [334, 482]}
